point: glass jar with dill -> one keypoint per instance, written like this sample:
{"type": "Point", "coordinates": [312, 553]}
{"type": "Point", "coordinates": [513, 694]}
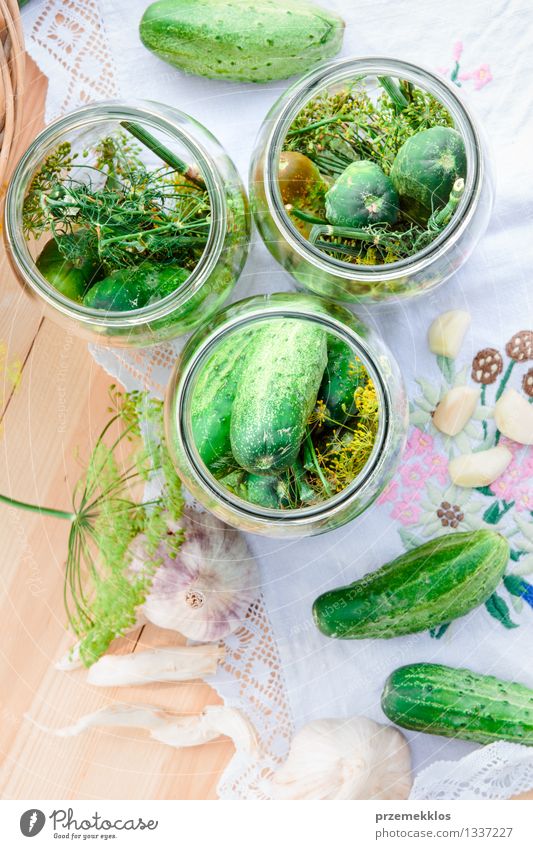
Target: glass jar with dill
{"type": "Point", "coordinates": [285, 415]}
{"type": "Point", "coordinates": [128, 219]}
{"type": "Point", "coordinates": [370, 180]}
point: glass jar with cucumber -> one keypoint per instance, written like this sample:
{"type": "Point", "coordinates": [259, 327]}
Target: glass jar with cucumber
{"type": "Point", "coordinates": [370, 180]}
{"type": "Point", "coordinates": [128, 220]}
{"type": "Point", "coordinates": [286, 415]}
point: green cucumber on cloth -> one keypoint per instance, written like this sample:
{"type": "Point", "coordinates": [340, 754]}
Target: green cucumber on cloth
{"type": "Point", "coordinates": [240, 39]}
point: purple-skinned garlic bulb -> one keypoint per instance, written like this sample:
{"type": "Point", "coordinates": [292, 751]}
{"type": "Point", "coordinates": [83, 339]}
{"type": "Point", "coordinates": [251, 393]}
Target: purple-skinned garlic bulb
{"type": "Point", "coordinates": [204, 592]}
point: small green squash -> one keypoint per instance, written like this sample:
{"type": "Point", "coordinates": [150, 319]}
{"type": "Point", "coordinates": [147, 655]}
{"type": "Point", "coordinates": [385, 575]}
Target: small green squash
{"type": "Point", "coordinates": [453, 702]}
{"type": "Point", "coordinates": [425, 169]}
{"type": "Point", "coordinates": [276, 394]}
{"type": "Point", "coordinates": [70, 280]}
{"type": "Point", "coordinates": [362, 195]}
{"type": "Point", "coordinates": [136, 287]}
{"type": "Point", "coordinates": [240, 39]}
{"type": "Point", "coordinates": [430, 585]}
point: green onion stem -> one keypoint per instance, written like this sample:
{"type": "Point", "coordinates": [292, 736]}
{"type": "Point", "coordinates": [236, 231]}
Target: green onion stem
{"type": "Point", "coordinates": [316, 125]}
{"type": "Point", "coordinates": [305, 216]}
{"type": "Point", "coordinates": [163, 152]}
{"type": "Point", "coordinates": [393, 90]}
{"type": "Point", "coordinates": [34, 508]}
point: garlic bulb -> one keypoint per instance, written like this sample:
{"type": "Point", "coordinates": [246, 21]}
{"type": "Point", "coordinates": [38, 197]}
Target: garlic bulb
{"type": "Point", "coordinates": [206, 590]}
{"type": "Point", "coordinates": [352, 758]}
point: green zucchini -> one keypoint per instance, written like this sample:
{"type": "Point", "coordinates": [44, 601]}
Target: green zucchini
{"type": "Point", "coordinates": [240, 40]}
{"type": "Point", "coordinates": [439, 581]}
{"type": "Point", "coordinates": [135, 287]}
{"type": "Point", "coordinates": [425, 169]}
{"type": "Point", "coordinates": [212, 401]}
{"type": "Point", "coordinates": [362, 195]}
{"type": "Point", "coordinates": [459, 703]}
{"type": "Point", "coordinates": [276, 394]}
{"type": "Point", "coordinates": [344, 373]}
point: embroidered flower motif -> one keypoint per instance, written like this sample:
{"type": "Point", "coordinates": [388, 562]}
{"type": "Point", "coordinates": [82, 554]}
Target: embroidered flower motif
{"type": "Point", "coordinates": [480, 77]}
{"type": "Point", "coordinates": [520, 346]}
{"type": "Point", "coordinates": [487, 365]}
{"type": "Point", "coordinates": [452, 508]}
{"type": "Point", "coordinates": [457, 51]}
{"type": "Point", "coordinates": [407, 510]}
{"type": "Point", "coordinates": [390, 493]}
{"type": "Point", "coordinates": [419, 444]}
{"type": "Point", "coordinates": [414, 474]}
{"type": "Point", "coordinates": [515, 483]}
{"type": "Point", "coordinates": [527, 383]}
{"type": "Point", "coordinates": [65, 32]}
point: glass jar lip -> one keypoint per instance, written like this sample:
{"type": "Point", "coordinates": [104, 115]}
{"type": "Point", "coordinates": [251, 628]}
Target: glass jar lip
{"type": "Point", "coordinates": [299, 94]}
{"type": "Point", "coordinates": [181, 397]}
{"type": "Point", "coordinates": [157, 116]}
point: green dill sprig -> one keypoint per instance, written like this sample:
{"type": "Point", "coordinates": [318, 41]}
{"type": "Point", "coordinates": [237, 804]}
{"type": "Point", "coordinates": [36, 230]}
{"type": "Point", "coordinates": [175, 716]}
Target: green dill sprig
{"type": "Point", "coordinates": [101, 592]}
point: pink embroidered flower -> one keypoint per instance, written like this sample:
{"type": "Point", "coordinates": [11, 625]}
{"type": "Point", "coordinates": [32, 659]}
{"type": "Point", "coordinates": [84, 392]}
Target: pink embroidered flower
{"type": "Point", "coordinates": [481, 76]}
{"type": "Point", "coordinates": [390, 493]}
{"type": "Point", "coordinates": [418, 445]}
{"type": "Point", "coordinates": [414, 475]}
{"type": "Point", "coordinates": [457, 51]}
{"type": "Point", "coordinates": [438, 467]}
{"type": "Point", "coordinates": [407, 511]}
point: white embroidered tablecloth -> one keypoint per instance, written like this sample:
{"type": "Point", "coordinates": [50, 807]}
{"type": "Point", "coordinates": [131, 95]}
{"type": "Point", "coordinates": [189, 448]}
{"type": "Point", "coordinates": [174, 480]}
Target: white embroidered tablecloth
{"type": "Point", "coordinates": [279, 668]}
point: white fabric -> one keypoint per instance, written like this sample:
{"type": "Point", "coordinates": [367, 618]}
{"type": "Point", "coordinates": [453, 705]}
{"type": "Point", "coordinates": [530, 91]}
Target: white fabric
{"type": "Point", "coordinates": [289, 673]}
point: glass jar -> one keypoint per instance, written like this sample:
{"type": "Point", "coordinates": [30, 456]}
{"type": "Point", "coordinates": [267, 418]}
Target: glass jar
{"type": "Point", "coordinates": [248, 316]}
{"type": "Point", "coordinates": [345, 281]}
{"type": "Point", "coordinates": [226, 227]}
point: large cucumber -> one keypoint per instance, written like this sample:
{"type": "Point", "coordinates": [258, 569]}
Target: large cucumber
{"type": "Point", "coordinates": [213, 397]}
{"type": "Point", "coordinates": [241, 40]}
{"type": "Point", "coordinates": [427, 586]}
{"type": "Point", "coordinates": [276, 394]}
{"type": "Point", "coordinates": [344, 373]}
{"type": "Point", "coordinates": [459, 703]}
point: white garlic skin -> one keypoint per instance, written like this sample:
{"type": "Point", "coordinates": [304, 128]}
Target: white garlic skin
{"type": "Point", "coordinates": [205, 592]}
{"type": "Point", "coordinates": [354, 758]}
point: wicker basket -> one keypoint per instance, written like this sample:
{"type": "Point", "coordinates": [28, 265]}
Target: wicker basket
{"type": "Point", "coordinates": [12, 63]}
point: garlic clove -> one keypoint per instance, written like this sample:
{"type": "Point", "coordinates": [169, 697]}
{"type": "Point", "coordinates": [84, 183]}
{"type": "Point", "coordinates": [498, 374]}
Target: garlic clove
{"type": "Point", "coordinates": [481, 468]}
{"type": "Point", "coordinates": [514, 417]}
{"type": "Point", "coordinates": [447, 332]}
{"type": "Point", "coordinates": [179, 663]}
{"type": "Point", "coordinates": [456, 409]}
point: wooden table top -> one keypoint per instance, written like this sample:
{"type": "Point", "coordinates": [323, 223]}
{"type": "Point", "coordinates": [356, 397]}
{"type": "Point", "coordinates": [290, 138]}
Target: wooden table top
{"type": "Point", "coordinates": [59, 406]}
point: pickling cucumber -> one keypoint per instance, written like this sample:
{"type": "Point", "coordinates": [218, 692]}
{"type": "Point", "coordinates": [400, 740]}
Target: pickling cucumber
{"type": "Point", "coordinates": [212, 400]}
{"type": "Point", "coordinates": [276, 394]}
{"type": "Point", "coordinates": [344, 373]}
{"type": "Point", "coordinates": [240, 40]}
{"type": "Point", "coordinates": [132, 288]}
{"type": "Point", "coordinates": [362, 195]}
{"type": "Point", "coordinates": [439, 581]}
{"type": "Point", "coordinates": [459, 703]}
{"type": "Point", "coordinates": [69, 279]}
{"type": "Point", "coordinates": [426, 167]}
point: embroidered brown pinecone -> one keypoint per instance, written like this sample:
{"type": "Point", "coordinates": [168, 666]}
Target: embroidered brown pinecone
{"type": "Point", "coordinates": [527, 383]}
{"type": "Point", "coordinates": [520, 346]}
{"type": "Point", "coordinates": [487, 365]}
